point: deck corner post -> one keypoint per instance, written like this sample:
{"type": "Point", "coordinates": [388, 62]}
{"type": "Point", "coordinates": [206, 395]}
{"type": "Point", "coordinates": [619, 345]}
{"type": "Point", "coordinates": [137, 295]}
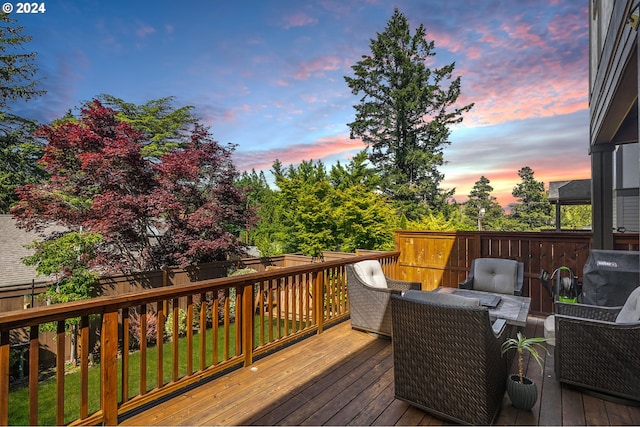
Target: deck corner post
{"type": "Point", "coordinates": [4, 378]}
{"type": "Point", "coordinates": [109, 367]}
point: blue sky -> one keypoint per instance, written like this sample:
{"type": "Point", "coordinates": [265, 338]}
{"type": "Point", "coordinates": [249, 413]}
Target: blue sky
{"type": "Point", "coordinates": [268, 75]}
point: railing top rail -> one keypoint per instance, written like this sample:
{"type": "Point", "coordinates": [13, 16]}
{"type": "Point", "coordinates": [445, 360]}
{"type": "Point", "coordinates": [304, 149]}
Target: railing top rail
{"type": "Point", "coordinates": [527, 234]}
{"type": "Point", "coordinates": [38, 315]}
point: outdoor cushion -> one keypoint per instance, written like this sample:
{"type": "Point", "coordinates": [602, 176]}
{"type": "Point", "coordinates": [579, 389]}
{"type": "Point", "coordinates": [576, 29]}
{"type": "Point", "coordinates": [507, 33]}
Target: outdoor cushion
{"type": "Point", "coordinates": [631, 310]}
{"type": "Point", "coordinates": [370, 272]}
{"type": "Point", "coordinates": [495, 275]}
{"type": "Point", "coordinates": [441, 298]}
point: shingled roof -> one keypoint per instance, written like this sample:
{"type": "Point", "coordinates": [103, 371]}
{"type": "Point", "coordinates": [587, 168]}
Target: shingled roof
{"type": "Point", "coordinates": [12, 249]}
{"type": "Point", "coordinates": [575, 192]}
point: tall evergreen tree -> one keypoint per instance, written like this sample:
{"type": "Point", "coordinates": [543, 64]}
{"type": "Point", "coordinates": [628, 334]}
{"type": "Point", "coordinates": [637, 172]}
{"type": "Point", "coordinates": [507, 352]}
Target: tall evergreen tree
{"type": "Point", "coordinates": [19, 150]}
{"type": "Point", "coordinates": [533, 210]}
{"type": "Point", "coordinates": [404, 114]}
{"type": "Point", "coordinates": [17, 67]}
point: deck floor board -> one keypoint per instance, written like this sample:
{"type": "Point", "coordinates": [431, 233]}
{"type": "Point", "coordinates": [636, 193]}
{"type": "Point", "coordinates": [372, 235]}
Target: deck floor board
{"type": "Point", "coordinates": [345, 377]}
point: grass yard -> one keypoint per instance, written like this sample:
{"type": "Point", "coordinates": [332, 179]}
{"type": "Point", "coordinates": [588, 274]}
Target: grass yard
{"type": "Point", "coordinates": [19, 399]}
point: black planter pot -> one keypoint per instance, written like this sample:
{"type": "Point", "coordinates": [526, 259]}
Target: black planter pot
{"type": "Point", "coordinates": [523, 395]}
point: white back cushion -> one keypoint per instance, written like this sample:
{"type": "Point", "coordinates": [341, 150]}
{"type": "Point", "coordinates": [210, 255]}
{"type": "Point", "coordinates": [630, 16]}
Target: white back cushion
{"type": "Point", "coordinates": [631, 310]}
{"type": "Point", "coordinates": [370, 272]}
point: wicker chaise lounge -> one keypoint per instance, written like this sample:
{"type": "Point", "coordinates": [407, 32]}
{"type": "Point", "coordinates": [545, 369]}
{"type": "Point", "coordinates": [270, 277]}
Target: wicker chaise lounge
{"type": "Point", "coordinates": [598, 348]}
{"type": "Point", "coordinates": [447, 357]}
{"type": "Point", "coordinates": [369, 296]}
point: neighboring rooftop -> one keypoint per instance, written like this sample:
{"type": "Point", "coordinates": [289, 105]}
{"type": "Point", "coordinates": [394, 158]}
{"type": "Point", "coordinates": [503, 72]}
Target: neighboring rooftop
{"type": "Point", "coordinates": [12, 249]}
{"type": "Point", "coordinates": [574, 192]}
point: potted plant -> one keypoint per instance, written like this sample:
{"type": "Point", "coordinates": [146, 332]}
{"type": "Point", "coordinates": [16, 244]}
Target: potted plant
{"type": "Point", "coordinates": [522, 390]}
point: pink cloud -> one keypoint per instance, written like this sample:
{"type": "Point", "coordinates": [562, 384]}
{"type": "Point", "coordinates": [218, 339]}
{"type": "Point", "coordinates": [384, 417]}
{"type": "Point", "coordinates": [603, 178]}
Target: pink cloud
{"type": "Point", "coordinates": [144, 30]}
{"type": "Point", "coordinates": [318, 66]}
{"type": "Point", "coordinates": [299, 19]}
{"type": "Point", "coordinates": [294, 154]}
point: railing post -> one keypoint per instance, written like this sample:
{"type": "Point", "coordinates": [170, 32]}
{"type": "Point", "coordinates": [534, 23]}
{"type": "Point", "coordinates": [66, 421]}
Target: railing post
{"type": "Point", "coordinates": [247, 323]}
{"type": "Point", "coordinates": [4, 378]}
{"type": "Point", "coordinates": [34, 363]}
{"type": "Point", "coordinates": [109, 367]}
{"type": "Point", "coordinates": [318, 285]}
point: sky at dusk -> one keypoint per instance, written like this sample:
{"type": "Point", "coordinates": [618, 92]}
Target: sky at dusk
{"type": "Point", "coordinates": [268, 75]}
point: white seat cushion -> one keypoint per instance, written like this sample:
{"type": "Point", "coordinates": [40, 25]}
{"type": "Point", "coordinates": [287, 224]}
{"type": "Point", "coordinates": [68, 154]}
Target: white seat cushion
{"type": "Point", "coordinates": [370, 272]}
{"type": "Point", "coordinates": [550, 329]}
{"type": "Point", "coordinates": [630, 312]}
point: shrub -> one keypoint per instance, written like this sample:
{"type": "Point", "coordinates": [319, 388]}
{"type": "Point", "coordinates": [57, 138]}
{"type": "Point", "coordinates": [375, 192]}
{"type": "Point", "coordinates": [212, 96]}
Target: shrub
{"type": "Point", "coordinates": [182, 324]}
{"type": "Point", "coordinates": [134, 328]}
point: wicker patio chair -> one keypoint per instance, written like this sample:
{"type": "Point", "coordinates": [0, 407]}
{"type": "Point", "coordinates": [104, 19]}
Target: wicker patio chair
{"type": "Point", "coordinates": [369, 293]}
{"type": "Point", "coordinates": [505, 276]}
{"type": "Point", "coordinates": [598, 348]}
{"type": "Point", "coordinates": [447, 358]}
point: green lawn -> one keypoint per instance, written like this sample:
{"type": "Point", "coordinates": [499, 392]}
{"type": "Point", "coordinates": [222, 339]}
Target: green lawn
{"type": "Point", "coordinates": [19, 399]}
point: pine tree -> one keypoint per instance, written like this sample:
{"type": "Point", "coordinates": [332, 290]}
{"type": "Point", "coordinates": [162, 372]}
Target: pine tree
{"type": "Point", "coordinates": [19, 150]}
{"type": "Point", "coordinates": [533, 210]}
{"type": "Point", "coordinates": [17, 67]}
{"type": "Point", "coordinates": [480, 198]}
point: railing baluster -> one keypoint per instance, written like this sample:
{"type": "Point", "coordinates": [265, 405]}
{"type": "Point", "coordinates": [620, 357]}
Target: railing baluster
{"type": "Point", "coordinates": [203, 330]}
{"type": "Point", "coordinates": [160, 343]}
{"type": "Point", "coordinates": [317, 280]}
{"type": "Point", "coordinates": [260, 296]}
{"type": "Point", "coordinates": [215, 320]}
{"type": "Point", "coordinates": [143, 349]}
{"type": "Point", "coordinates": [270, 308]}
{"type": "Point", "coordinates": [34, 357]}
{"type": "Point", "coordinates": [124, 368]}
{"type": "Point", "coordinates": [60, 355]}
{"type": "Point", "coordinates": [84, 367]}
{"type": "Point", "coordinates": [247, 322]}
{"type": "Point", "coordinates": [174, 338]}
{"type": "Point", "coordinates": [286, 294]}
{"type": "Point", "coordinates": [226, 324]}
{"type": "Point", "coordinates": [189, 335]}
{"type": "Point", "coordinates": [238, 321]}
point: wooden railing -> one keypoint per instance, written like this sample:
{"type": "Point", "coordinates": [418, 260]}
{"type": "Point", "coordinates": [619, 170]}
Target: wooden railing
{"type": "Point", "coordinates": [443, 258]}
{"type": "Point", "coordinates": [214, 325]}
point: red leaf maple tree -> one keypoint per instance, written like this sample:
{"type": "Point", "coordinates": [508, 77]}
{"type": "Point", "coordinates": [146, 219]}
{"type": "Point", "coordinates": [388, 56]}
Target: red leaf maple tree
{"type": "Point", "coordinates": [181, 210]}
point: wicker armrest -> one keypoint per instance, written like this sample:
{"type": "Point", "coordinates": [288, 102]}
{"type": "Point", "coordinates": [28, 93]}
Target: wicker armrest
{"type": "Point", "coordinates": [401, 285]}
{"type": "Point", "coordinates": [467, 284]}
{"type": "Point", "coordinates": [498, 327]}
{"type": "Point", "coordinates": [585, 311]}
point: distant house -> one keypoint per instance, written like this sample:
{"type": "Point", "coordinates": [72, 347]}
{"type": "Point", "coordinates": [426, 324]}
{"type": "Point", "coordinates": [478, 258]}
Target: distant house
{"type": "Point", "coordinates": [566, 193]}
{"type": "Point", "coordinates": [613, 110]}
{"type": "Point", "coordinates": [15, 277]}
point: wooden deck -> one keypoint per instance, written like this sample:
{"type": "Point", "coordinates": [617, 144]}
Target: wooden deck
{"type": "Point", "coordinates": [345, 377]}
